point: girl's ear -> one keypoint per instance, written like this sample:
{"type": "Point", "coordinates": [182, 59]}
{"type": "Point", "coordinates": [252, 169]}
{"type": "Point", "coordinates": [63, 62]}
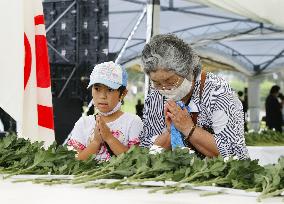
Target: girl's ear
{"type": "Point", "coordinates": [123, 94]}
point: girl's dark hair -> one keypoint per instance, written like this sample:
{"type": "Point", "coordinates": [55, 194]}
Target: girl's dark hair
{"type": "Point", "coordinates": [121, 90]}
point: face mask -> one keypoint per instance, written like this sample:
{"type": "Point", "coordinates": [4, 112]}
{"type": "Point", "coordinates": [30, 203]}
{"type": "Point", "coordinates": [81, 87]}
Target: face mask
{"type": "Point", "coordinates": [116, 108]}
{"type": "Point", "coordinates": [178, 93]}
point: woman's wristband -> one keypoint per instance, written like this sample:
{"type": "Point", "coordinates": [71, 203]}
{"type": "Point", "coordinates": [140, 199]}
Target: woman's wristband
{"type": "Point", "coordinates": [190, 132]}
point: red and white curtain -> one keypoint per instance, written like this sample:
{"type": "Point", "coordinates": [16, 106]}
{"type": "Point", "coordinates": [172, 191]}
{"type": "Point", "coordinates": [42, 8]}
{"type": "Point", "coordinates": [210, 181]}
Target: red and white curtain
{"type": "Point", "coordinates": [31, 94]}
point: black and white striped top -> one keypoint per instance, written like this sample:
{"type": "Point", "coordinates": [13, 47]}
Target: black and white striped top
{"type": "Point", "coordinates": [220, 113]}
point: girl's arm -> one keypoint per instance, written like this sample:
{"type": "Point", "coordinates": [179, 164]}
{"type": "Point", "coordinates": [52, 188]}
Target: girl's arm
{"type": "Point", "coordinates": [106, 135]}
{"type": "Point", "coordinates": [164, 140]}
{"type": "Point", "coordinates": [133, 137]}
{"type": "Point", "coordinates": [115, 145]}
{"type": "Point", "coordinates": [92, 148]}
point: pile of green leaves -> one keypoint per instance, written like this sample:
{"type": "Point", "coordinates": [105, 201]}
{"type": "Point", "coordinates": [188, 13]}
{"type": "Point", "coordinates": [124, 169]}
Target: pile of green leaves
{"type": "Point", "coordinates": [138, 165]}
{"type": "Point", "coordinates": [20, 156]}
{"type": "Point", "coordinates": [265, 138]}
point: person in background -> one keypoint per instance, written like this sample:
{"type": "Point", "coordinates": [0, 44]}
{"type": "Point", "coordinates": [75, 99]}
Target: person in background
{"type": "Point", "coordinates": [214, 126]}
{"type": "Point", "coordinates": [245, 109]}
{"type": "Point", "coordinates": [139, 108]}
{"type": "Point", "coordinates": [111, 131]}
{"type": "Point", "coordinates": [273, 109]}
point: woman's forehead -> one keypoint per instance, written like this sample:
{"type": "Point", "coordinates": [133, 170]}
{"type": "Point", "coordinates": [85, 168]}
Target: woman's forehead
{"type": "Point", "coordinates": [162, 74]}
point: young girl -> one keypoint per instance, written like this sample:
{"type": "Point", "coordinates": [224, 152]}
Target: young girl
{"type": "Point", "coordinates": [111, 131]}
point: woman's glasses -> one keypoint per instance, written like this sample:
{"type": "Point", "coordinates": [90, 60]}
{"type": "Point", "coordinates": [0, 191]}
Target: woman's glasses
{"type": "Point", "coordinates": [170, 84]}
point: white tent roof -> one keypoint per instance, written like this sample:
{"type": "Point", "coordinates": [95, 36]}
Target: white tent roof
{"type": "Point", "coordinates": [266, 11]}
{"type": "Point", "coordinates": [249, 44]}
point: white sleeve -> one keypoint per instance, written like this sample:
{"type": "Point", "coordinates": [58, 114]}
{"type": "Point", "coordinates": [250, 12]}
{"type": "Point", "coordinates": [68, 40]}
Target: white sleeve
{"type": "Point", "coordinates": [135, 129]}
{"type": "Point", "coordinates": [76, 137]}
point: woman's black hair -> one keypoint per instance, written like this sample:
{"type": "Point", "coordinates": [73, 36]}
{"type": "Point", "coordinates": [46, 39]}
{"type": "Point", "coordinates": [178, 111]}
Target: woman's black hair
{"type": "Point", "coordinates": [274, 89]}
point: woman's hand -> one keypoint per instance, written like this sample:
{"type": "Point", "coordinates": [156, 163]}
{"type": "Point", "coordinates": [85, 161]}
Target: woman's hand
{"type": "Point", "coordinates": [103, 129]}
{"type": "Point", "coordinates": [167, 119]}
{"type": "Point", "coordinates": [180, 118]}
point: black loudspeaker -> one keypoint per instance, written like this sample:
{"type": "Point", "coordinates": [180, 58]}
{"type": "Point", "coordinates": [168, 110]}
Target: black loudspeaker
{"type": "Point", "coordinates": [66, 113]}
{"type": "Point", "coordinates": [2, 134]}
{"type": "Point", "coordinates": [8, 122]}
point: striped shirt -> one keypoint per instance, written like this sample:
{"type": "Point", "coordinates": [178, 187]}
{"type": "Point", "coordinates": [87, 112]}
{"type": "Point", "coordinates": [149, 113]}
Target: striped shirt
{"type": "Point", "coordinates": [220, 112]}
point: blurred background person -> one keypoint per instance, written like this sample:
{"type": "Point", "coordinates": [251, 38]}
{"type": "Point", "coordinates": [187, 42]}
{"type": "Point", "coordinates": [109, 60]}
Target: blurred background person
{"type": "Point", "coordinates": [139, 108]}
{"type": "Point", "coordinates": [273, 109]}
{"type": "Point", "coordinates": [245, 109]}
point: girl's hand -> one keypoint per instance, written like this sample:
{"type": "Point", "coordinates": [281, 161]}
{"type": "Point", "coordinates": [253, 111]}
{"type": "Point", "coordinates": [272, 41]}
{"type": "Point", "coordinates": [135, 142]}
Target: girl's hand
{"type": "Point", "coordinates": [179, 117]}
{"type": "Point", "coordinates": [164, 140]}
{"type": "Point", "coordinates": [104, 130]}
{"type": "Point", "coordinates": [97, 136]}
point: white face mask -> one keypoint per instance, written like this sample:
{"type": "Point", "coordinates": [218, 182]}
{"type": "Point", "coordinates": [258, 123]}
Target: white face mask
{"type": "Point", "coordinates": [178, 93]}
{"type": "Point", "coordinates": [116, 108]}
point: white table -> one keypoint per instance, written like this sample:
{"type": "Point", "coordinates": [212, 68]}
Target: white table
{"type": "Point", "coordinates": [28, 193]}
{"type": "Point", "coordinates": [266, 155]}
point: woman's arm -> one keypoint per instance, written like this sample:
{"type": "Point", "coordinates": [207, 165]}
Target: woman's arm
{"type": "Point", "coordinates": [202, 140]}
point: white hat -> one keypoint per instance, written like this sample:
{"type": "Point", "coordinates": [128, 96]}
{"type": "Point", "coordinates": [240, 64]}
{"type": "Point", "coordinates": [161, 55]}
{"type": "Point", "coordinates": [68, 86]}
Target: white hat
{"type": "Point", "coordinates": [110, 74]}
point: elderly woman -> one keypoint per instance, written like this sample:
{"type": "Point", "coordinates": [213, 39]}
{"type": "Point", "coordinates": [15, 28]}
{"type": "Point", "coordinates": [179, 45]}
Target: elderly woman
{"type": "Point", "coordinates": [214, 126]}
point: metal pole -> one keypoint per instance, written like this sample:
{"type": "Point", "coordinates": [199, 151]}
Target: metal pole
{"type": "Point", "coordinates": [131, 35]}
{"type": "Point", "coordinates": [67, 82]}
{"type": "Point", "coordinates": [77, 33]}
{"type": "Point", "coordinates": [59, 17]}
{"type": "Point", "coordinates": [56, 51]}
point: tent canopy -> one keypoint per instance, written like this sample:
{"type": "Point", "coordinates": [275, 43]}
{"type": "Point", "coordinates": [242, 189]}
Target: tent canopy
{"type": "Point", "coordinates": [237, 34]}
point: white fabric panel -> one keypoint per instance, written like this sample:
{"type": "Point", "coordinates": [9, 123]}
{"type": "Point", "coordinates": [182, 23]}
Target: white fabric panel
{"type": "Point", "coordinates": [219, 56]}
{"type": "Point", "coordinates": [18, 17]}
{"type": "Point", "coordinates": [12, 57]}
{"type": "Point", "coordinates": [266, 11]}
